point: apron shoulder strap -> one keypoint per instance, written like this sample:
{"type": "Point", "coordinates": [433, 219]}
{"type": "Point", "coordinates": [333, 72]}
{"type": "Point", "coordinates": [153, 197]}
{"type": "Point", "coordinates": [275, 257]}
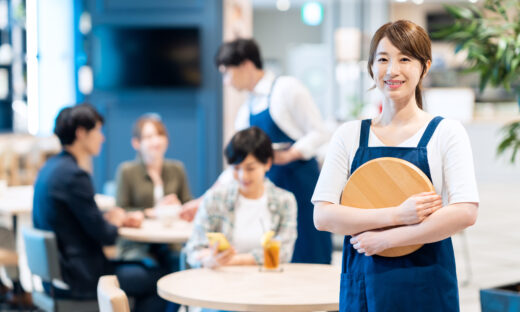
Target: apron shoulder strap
{"type": "Point", "coordinates": [251, 98]}
{"type": "Point", "coordinates": [365, 132]}
{"type": "Point", "coordinates": [427, 135]}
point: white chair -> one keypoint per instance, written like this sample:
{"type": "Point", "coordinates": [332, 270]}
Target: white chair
{"type": "Point", "coordinates": [111, 298]}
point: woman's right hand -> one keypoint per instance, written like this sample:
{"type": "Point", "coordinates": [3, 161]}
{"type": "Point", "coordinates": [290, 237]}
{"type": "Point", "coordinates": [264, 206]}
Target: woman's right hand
{"type": "Point", "coordinates": [417, 208]}
{"type": "Point", "coordinates": [211, 258]}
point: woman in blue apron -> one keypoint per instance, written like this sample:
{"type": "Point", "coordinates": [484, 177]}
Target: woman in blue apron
{"type": "Point", "coordinates": [400, 56]}
{"type": "Point", "coordinates": [298, 177]}
{"type": "Point", "coordinates": [284, 109]}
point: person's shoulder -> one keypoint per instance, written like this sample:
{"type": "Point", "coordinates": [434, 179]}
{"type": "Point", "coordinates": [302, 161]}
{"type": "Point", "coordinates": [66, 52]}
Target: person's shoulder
{"type": "Point", "coordinates": [173, 164]}
{"type": "Point", "coordinates": [218, 198]}
{"type": "Point", "coordinates": [349, 125]}
{"type": "Point", "coordinates": [347, 130]}
{"type": "Point", "coordinates": [221, 191]}
{"type": "Point", "coordinates": [130, 168]}
{"type": "Point", "coordinates": [279, 192]}
{"type": "Point", "coordinates": [450, 127]}
{"type": "Point", "coordinates": [289, 83]}
{"type": "Point", "coordinates": [63, 165]}
{"type": "Point", "coordinates": [448, 123]}
{"type": "Point", "coordinates": [128, 165]}
{"type": "Point", "coordinates": [62, 170]}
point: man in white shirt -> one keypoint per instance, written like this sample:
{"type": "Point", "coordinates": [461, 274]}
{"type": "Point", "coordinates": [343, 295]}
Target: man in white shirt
{"type": "Point", "coordinates": [284, 109]}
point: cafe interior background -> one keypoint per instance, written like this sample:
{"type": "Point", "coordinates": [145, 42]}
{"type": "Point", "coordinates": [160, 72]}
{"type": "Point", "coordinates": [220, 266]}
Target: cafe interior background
{"type": "Point", "coordinates": [54, 53]}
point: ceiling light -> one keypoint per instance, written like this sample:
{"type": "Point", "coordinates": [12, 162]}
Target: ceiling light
{"type": "Point", "coordinates": [283, 5]}
{"type": "Point", "coordinates": [312, 13]}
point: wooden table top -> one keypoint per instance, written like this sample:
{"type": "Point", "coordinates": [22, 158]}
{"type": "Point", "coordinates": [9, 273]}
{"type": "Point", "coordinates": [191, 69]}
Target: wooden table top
{"type": "Point", "coordinates": [154, 231]}
{"type": "Point", "coordinates": [19, 199]}
{"type": "Point", "coordinates": [300, 287]}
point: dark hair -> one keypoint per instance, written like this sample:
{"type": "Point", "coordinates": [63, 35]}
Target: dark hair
{"type": "Point", "coordinates": [252, 141]}
{"type": "Point", "coordinates": [411, 40]}
{"type": "Point", "coordinates": [235, 52]}
{"type": "Point", "coordinates": [154, 119]}
{"type": "Point", "coordinates": [71, 118]}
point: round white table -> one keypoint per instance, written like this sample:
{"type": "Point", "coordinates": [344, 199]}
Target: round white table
{"type": "Point", "coordinates": [154, 231]}
{"type": "Point", "coordinates": [300, 287]}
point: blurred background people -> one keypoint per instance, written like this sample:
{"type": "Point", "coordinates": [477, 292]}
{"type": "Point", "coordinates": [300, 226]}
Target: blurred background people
{"type": "Point", "coordinates": [284, 109]}
{"type": "Point", "coordinates": [64, 204]}
{"type": "Point", "coordinates": [150, 181]}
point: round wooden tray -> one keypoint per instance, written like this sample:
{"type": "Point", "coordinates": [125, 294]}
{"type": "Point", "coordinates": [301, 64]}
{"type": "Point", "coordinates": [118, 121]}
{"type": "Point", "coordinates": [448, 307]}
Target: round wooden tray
{"type": "Point", "coordinates": [385, 182]}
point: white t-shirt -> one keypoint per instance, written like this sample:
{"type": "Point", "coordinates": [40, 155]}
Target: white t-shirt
{"type": "Point", "coordinates": [449, 156]}
{"type": "Point", "coordinates": [252, 219]}
{"type": "Point", "coordinates": [158, 193]}
{"type": "Point", "coordinates": [292, 109]}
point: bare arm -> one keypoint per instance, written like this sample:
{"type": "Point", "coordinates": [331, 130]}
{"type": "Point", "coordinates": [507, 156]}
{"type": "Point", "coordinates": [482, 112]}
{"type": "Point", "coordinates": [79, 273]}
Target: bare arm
{"type": "Point", "coordinates": [345, 220]}
{"type": "Point", "coordinates": [438, 226]}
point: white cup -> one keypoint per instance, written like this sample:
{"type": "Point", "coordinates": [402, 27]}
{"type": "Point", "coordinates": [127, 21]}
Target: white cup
{"type": "Point", "coordinates": [167, 213]}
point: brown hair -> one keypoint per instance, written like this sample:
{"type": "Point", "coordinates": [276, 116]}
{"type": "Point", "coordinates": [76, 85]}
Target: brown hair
{"type": "Point", "coordinates": [411, 40]}
{"type": "Point", "coordinates": [155, 120]}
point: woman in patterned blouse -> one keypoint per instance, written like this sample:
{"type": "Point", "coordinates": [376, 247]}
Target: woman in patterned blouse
{"type": "Point", "coordinates": [245, 209]}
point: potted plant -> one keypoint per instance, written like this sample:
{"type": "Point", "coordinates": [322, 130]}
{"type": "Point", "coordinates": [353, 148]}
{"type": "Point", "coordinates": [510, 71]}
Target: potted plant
{"type": "Point", "coordinates": [491, 37]}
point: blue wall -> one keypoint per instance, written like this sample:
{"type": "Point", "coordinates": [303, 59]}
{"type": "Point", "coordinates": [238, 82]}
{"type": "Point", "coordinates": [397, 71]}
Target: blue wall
{"type": "Point", "coordinates": [193, 116]}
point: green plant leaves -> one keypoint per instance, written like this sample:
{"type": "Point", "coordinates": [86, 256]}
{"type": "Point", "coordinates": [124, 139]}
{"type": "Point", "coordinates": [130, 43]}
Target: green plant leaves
{"type": "Point", "coordinates": [511, 140]}
{"type": "Point", "coordinates": [490, 38]}
{"type": "Point", "coordinates": [459, 12]}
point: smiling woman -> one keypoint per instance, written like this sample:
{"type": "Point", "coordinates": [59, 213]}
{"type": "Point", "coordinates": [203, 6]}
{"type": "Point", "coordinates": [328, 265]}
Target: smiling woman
{"type": "Point", "coordinates": [243, 211]}
{"type": "Point", "coordinates": [400, 56]}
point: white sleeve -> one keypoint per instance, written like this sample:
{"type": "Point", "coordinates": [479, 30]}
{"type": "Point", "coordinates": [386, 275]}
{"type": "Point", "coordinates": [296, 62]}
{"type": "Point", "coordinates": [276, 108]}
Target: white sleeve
{"type": "Point", "coordinates": [336, 168]}
{"type": "Point", "coordinates": [457, 165]}
{"type": "Point", "coordinates": [304, 115]}
{"type": "Point", "coordinates": [242, 118]}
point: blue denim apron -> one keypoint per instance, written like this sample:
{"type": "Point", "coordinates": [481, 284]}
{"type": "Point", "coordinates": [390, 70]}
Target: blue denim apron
{"type": "Point", "coordinates": [298, 177]}
{"type": "Point", "coordinates": [422, 281]}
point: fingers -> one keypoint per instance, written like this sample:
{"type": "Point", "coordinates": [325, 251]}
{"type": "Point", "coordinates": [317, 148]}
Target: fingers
{"type": "Point", "coordinates": [426, 198]}
{"type": "Point", "coordinates": [357, 245]}
{"type": "Point", "coordinates": [188, 212]}
{"type": "Point", "coordinates": [426, 209]}
{"type": "Point", "coordinates": [225, 256]}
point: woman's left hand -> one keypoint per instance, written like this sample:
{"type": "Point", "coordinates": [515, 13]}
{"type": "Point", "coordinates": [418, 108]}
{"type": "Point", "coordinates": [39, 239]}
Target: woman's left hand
{"type": "Point", "coordinates": [370, 243]}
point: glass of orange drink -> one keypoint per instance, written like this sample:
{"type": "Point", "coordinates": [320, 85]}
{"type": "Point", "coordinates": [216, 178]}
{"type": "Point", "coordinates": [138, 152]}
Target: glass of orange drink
{"type": "Point", "coordinates": [271, 247]}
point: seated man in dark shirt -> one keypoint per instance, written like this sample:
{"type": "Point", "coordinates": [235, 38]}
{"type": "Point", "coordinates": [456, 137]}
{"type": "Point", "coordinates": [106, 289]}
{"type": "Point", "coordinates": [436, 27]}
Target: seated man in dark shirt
{"type": "Point", "coordinates": [64, 204]}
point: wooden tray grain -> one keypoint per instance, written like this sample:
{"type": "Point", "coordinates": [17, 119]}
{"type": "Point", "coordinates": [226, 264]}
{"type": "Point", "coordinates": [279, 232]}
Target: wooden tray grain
{"type": "Point", "coordinates": [385, 182]}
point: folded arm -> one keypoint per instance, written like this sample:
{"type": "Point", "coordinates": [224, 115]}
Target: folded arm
{"type": "Point", "coordinates": [438, 226]}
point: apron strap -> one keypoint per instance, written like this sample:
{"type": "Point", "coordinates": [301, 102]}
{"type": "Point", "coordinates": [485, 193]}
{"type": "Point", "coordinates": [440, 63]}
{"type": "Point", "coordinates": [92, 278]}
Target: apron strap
{"type": "Point", "coordinates": [365, 132]}
{"type": "Point", "coordinates": [251, 97]}
{"type": "Point", "coordinates": [427, 135]}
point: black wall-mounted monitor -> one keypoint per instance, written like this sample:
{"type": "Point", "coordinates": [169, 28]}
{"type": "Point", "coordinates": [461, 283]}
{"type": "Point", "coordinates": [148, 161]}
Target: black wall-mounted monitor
{"type": "Point", "coordinates": [437, 21]}
{"type": "Point", "coordinates": [138, 57]}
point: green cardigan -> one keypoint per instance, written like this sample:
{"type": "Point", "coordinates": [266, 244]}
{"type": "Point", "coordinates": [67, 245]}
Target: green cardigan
{"type": "Point", "coordinates": [135, 188]}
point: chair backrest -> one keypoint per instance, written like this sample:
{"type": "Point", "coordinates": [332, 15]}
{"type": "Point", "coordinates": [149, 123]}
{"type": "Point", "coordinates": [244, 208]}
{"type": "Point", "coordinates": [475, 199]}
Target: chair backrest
{"type": "Point", "coordinates": [42, 253]}
{"type": "Point", "coordinates": [111, 298]}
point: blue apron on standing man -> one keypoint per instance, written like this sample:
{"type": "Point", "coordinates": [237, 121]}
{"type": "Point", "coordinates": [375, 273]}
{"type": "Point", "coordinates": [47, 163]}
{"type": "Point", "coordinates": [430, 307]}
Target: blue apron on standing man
{"type": "Point", "coordinates": [298, 177]}
{"type": "Point", "coordinates": [425, 280]}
